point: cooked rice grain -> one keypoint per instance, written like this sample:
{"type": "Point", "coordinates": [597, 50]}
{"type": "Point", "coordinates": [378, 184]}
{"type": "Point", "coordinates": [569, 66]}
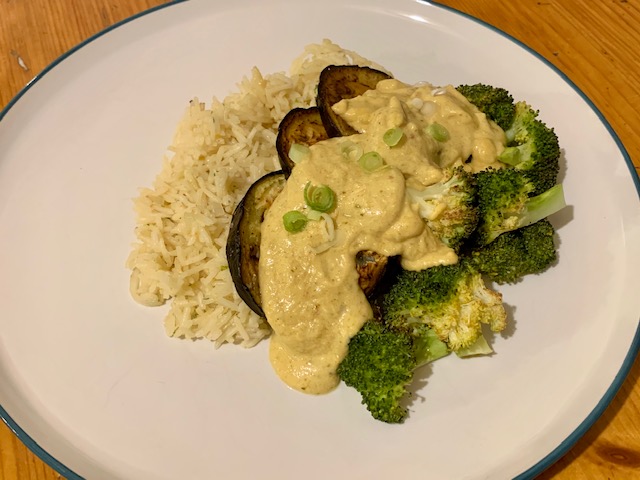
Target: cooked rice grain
{"type": "Point", "coordinates": [183, 219]}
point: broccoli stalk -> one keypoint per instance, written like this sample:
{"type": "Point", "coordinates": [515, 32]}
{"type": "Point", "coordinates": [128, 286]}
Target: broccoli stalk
{"type": "Point", "coordinates": [505, 203]}
{"type": "Point", "coordinates": [427, 345]}
{"type": "Point", "coordinates": [449, 206]}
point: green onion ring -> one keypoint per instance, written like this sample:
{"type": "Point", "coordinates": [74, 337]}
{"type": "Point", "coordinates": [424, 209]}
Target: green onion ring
{"type": "Point", "coordinates": [438, 132]}
{"type": "Point", "coordinates": [294, 221]}
{"type": "Point", "coordinates": [393, 136]}
{"type": "Point", "coordinates": [371, 161]}
{"type": "Point", "coordinates": [320, 197]}
{"type": "Point", "coordinates": [297, 152]}
{"type": "Point", "coordinates": [351, 150]}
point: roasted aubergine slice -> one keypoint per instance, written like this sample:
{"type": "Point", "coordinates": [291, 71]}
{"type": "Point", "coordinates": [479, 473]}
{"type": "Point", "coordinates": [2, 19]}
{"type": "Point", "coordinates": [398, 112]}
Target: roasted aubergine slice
{"type": "Point", "coordinates": [301, 126]}
{"type": "Point", "coordinates": [371, 267]}
{"type": "Point", "coordinates": [243, 243]}
{"type": "Point", "coordinates": [304, 126]}
{"type": "Point", "coordinates": [338, 82]}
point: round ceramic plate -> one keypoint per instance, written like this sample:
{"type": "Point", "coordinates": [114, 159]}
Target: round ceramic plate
{"type": "Point", "coordinates": [91, 383]}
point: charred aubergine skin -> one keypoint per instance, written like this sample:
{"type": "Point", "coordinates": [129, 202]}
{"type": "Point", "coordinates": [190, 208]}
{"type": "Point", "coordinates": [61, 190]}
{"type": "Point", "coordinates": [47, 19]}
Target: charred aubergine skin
{"type": "Point", "coordinates": [305, 126]}
{"type": "Point", "coordinates": [300, 125]}
{"type": "Point", "coordinates": [338, 82]}
{"type": "Point", "coordinates": [243, 243]}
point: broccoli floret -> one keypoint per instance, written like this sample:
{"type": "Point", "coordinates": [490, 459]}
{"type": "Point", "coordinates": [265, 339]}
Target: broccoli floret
{"type": "Point", "coordinates": [496, 103]}
{"type": "Point", "coordinates": [496, 222]}
{"type": "Point", "coordinates": [533, 148]}
{"type": "Point", "coordinates": [528, 250]}
{"type": "Point", "coordinates": [449, 206]}
{"type": "Point", "coordinates": [505, 203]}
{"type": "Point", "coordinates": [452, 300]}
{"type": "Point", "coordinates": [380, 365]}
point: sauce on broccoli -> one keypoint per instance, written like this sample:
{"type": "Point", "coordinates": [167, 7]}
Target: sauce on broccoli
{"type": "Point", "coordinates": [413, 139]}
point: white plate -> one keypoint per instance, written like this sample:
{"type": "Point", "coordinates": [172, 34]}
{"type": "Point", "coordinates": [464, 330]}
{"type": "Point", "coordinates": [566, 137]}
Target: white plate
{"type": "Point", "coordinates": [89, 381]}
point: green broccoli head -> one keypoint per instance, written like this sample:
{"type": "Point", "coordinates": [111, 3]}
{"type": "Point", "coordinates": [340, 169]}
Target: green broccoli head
{"type": "Point", "coordinates": [496, 221]}
{"type": "Point", "coordinates": [525, 251]}
{"type": "Point", "coordinates": [379, 364]}
{"type": "Point", "coordinates": [449, 206]}
{"type": "Point", "coordinates": [452, 300]}
{"type": "Point", "coordinates": [505, 203]}
{"type": "Point", "coordinates": [495, 102]}
{"type": "Point", "coordinates": [531, 145]}
{"type": "Point", "coordinates": [533, 148]}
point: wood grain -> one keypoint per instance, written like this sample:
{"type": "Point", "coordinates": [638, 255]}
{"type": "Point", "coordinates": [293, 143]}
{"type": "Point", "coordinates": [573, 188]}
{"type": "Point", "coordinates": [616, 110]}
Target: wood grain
{"type": "Point", "coordinates": [595, 43]}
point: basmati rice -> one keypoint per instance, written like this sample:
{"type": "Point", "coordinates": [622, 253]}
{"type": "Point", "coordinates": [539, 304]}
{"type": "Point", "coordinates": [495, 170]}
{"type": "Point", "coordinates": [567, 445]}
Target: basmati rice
{"type": "Point", "coordinates": [183, 218]}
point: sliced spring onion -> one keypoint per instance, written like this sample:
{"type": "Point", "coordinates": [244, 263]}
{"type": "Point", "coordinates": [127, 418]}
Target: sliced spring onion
{"type": "Point", "coordinates": [393, 136]}
{"type": "Point", "coordinates": [371, 161]}
{"type": "Point", "coordinates": [332, 235]}
{"type": "Point", "coordinates": [416, 102]}
{"type": "Point", "coordinates": [428, 108]}
{"type": "Point", "coordinates": [319, 197]}
{"type": "Point", "coordinates": [297, 152]}
{"type": "Point", "coordinates": [438, 132]}
{"type": "Point", "coordinates": [351, 150]}
{"type": "Point", "coordinates": [294, 221]}
{"type": "Point", "coordinates": [314, 215]}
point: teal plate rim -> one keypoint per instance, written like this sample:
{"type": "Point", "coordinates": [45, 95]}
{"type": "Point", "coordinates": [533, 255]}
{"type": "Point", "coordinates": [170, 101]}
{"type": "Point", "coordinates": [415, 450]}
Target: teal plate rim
{"type": "Point", "coordinates": [532, 471]}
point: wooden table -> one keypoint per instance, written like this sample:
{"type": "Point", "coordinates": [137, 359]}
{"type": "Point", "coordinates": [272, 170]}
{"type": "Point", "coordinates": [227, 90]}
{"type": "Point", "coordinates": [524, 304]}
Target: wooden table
{"type": "Point", "coordinates": [596, 43]}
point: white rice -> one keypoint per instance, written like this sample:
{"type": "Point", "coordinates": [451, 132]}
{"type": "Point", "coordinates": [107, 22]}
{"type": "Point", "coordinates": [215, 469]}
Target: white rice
{"type": "Point", "coordinates": [183, 218]}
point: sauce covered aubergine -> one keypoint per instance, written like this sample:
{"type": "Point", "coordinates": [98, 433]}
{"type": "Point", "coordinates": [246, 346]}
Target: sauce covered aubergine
{"type": "Point", "coordinates": [309, 286]}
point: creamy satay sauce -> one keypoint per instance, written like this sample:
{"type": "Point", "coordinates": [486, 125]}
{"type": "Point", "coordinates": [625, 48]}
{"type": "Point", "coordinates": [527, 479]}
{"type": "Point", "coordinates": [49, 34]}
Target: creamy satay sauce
{"type": "Point", "coordinates": [308, 280]}
{"type": "Point", "coordinates": [471, 133]}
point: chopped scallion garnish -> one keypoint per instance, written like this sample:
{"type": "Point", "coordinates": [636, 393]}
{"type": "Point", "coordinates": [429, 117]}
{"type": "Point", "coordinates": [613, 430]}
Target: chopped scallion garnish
{"type": "Point", "coordinates": [297, 152]}
{"type": "Point", "coordinates": [314, 215]}
{"type": "Point", "coordinates": [351, 150]}
{"type": "Point", "coordinates": [294, 221]}
{"type": "Point", "coordinates": [438, 132]}
{"type": "Point", "coordinates": [393, 136]}
{"type": "Point", "coordinates": [319, 197]}
{"type": "Point", "coordinates": [371, 161]}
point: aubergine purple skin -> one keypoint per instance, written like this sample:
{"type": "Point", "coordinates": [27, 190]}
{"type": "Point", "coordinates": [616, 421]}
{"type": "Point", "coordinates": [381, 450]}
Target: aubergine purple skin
{"type": "Point", "coordinates": [338, 82]}
{"type": "Point", "coordinates": [243, 242]}
{"type": "Point", "coordinates": [300, 125]}
{"type": "Point", "coordinates": [305, 126]}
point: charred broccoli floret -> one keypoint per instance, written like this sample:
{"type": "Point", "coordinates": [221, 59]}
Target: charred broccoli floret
{"type": "Point", "coordinates": [380, 364]}
{"type": "Point", "coordinates": [528, 250]}
{"type": "Point", "coordinates": [505, 203]}
{"type": "Point", "coordinates": [495, 102]}
{"type": "Point", "coordinates": [496, 222]}
{"type": "Point", "coordinates": [452, 300]}
{"type": "Point", "coordinates": [449, 206]}
{"type": "Point", "coordinates": [533, 148]}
